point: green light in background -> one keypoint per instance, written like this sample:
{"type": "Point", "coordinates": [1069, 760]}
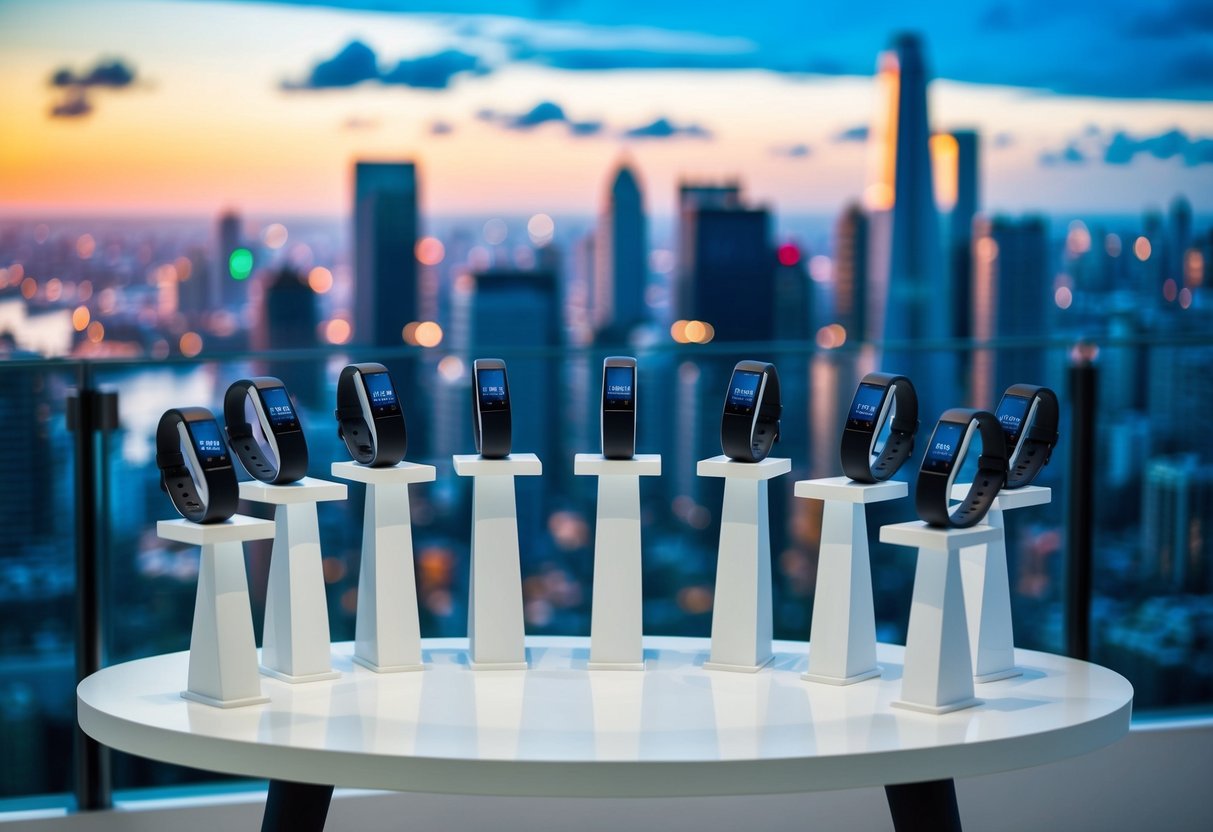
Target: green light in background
{"type": "Point", "coordinates": [240, 264]}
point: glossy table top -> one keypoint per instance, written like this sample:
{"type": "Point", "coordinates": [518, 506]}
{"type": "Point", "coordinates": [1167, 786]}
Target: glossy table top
{"type": "Point", "coordinates": [561, 730]}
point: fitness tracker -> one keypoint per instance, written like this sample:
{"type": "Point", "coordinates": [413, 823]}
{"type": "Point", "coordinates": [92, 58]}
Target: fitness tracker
{"type": "Point", "coordinates": [879, 398]}
{"type": "Point", "coordinates": [369, 418]}
{"type": "Point", "coordinates": [750, 424]}
{"type": "Point", "coordinates": [1029, 416]}
{"type": "Point", "coordinates": [195, 468]}
{"type": "Point", "coordinates": [619, 407]}
{"type": "Point", "coordinates": [948, 446]}
{"type": "Point", "coordinates": [263, 430]}
{"type": "Point", "coordinates": [491, 423]}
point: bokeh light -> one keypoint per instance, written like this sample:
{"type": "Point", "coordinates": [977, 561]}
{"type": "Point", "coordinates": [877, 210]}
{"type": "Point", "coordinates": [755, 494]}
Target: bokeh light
{"type": "Point", "coordinates": [80, 318]}
{"type": "Point", "coordinates": [190, 344]}
{"type": "Point", "coordinates": [1141, 248]}
{"type": "Point", "coordinates": [430, 251]}
{"type": "Point", "coordinates": [275, 236]}
{"type": "Point", "coordinates": [320, 280]}
{"type": "Point", "coordinates": [541, 229]}
{"type": "Point", "coordinates": [495, 232]}
{"type": "Point", "coordinates": [240, 264]}
{"type": "Point", "coordinates": [338, 331]}
{"type": "Point", "coordinates": [95, 332]}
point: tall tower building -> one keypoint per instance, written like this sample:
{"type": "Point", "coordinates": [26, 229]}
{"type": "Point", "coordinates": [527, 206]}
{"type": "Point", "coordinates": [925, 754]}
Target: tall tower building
{"type": "Point", "coordinates": [385, 239]}
{"type": "Point", "coordinates": [289, 317]}
{"type": "Point", "coordinates": [1177, 543]}
{"type": "Point", "coordinates": [851, 271]}
{"type": "Point", "coordinates": [230, 277]}
{"type": "Point", "coordinates": [621, 251]}
{"type": "Point", "coordinates": [955, 159]}
{"type": "Point", "coordinates": [909, 296]}
{"type": "Point", "coordinates": [1011, 287]}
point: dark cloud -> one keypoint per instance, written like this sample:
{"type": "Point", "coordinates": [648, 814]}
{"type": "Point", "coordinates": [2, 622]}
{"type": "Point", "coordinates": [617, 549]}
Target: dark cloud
{"type": "Point", "coordinates": [357, 63]}
{"type": "Point", "coordinates": [1177, 19]}
{"type": "Point", "coordinates": [75, 104]}
{"type": "Point", "coordinates": [441, 128]}
{"type": "Point", "coordinates": [545, 112]}
{"type": "Point", "coordinates": [663, 128]}
{"type": "Point", "coordinates": [1123, 148]}
{"type": "Point", "coordinates": [858, 133]}
{"type": "Point", "coordinates": [792, 151]}
{"type": "Point", "coordinates": [1071, 154]}
{"type": "Point", "coordinates": [612, 59]}
{"type": "Point", "coordinates": [113, 74]}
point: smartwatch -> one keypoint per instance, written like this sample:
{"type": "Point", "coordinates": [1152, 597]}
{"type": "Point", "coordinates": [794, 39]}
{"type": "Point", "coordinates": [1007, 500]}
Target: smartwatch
{"type": "Point", "coordinates": [263, 430]}
{"type": "Point", "coordinates": [750, 424]}
{"type": "Point", "coordinates": [879, 398]}
{"type": "Point", "coordinates": [948, 446]}
{"type": "Point", "coordinates": [369, 418]}
{"type": "Point", "coordinates": [195, 467]}
{"type": "Point", "coordinates": [491, 423]}
{"type": "Point", "coordinates": [1029, 416]}
{"type": "Point", "coordinates": [619, 407]}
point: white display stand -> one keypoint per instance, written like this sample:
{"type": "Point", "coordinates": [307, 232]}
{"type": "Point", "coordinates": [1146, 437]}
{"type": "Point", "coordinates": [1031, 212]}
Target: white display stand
{"type": "Point", "coordinates": [741, 608]}
{"type": "Point", "coordinates": [223, 654]}
{"type": "Point", "coordinates": [295, 645]}
{"type": "Point", "coordinates": [938, 675]}
{"type": "Point", "coordinates": [987, 588]}
{"type": "Point", "coordinates": [495, 624]}
{"type": "Point", "coordinates": [387, 631]}
{"type": "Point", "coordinates": [616, 614]}
{"type": "Point", "coordinates": [842, 647]}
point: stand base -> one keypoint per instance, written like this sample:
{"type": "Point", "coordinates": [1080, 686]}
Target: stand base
{"type": "Point", "coordinates": [497, 665]}
{"type": "Point", "coordinates": [738, 668]}
{"type": "Point", "coordinates": [936, 709]}
{"type": "Point", "coordinates": [388, 668]}
{"type": "Point", "coordinates": [299, 680]}
{"type": "Point", "coordinates": [223, 703]}
{"type": "Point", "coordinates": [614, 666]}
{"type": "Point", "coordinates": [1006, 673]}
{"type": "Point", "coordinates": [839, 681]}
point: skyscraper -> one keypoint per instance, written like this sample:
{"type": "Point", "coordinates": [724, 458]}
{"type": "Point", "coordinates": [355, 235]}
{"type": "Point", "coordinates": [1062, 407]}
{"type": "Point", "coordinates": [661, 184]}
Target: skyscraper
{"type": "Point", "coordinates": [288, 319]}
{"type": "Point", "coordinates": [959, 194]}
{"type": "Point", "coordinates": [851, 271]}
{"type": "Point", "coordinates": [1177, 545]}
{"type": "Point", "coordinates": [1010, 292]}
{"type": "Point", "coordinates": [385, 239]}
{"type": "Point", "coordinates": [229, 279]}
{"type": "Point", "coordinates": [621, 250]}
{"type": "Point", "coordinates": [726, 267]}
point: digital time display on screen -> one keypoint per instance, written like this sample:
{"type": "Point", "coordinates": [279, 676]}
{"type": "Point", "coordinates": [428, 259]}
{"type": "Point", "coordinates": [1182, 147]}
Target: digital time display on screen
{"type": "Point", "coordinates": [1010, 413]}
{"type": "Point", "coordinates": [865, 407]}
{"type": "Point", "coordinates": [208, 444]}
{"type": "Point", "coordinates": [380, 392]}
{"type": "Point", "coordinates": [618, 386]}
{"type": "Point", "coordinates": [943, 448]}
{"type": "Point", "coordinates": [278, 407]}
{"type": "Point", "coordinates": [743, 392]}
{"type": "Point", "coordinates": [492, 390]}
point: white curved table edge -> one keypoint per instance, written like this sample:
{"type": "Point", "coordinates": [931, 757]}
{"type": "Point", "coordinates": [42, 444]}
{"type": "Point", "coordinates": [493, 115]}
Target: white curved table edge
{"type": "Point", "coordinates": [610, 778]}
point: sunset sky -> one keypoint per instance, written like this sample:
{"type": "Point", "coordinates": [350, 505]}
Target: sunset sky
{"type": "Point", "coordinates": [183, 108]}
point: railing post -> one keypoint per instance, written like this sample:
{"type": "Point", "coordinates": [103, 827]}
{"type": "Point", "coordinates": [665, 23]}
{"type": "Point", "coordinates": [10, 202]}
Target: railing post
{"type": "Point", "coordinates": [89, 412]}
{"type": "Point", "coordinates": [1082, 379]}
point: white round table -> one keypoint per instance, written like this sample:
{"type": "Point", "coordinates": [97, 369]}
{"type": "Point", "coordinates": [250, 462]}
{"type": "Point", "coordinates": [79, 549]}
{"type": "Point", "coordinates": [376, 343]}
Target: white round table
{"type": "Point", "coordinates": [559, 729]}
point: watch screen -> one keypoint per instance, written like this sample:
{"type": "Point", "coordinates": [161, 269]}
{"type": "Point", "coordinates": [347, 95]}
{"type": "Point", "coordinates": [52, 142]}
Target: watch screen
{"type": "Point", "coordinates": [743, 393]}
{"type": "Point", "coordinates": [1010, 413]}
{"type": "Point", "coordinates": [278, 408]}
{"type": "Point", "coordinates": [945, 444]}
{"type": "Point", "coordinates": [380, 392]}
{"type": "Point", "coordinates": [208, 444]}
{"type": "Point", "coordinates": [492, 390]}
{"type": "Point", "coordinates": [865, 407]}
{"type": "Point", "coordinates": [617, 392]}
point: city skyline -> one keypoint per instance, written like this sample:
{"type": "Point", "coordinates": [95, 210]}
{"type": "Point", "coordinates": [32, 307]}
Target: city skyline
{"type": "Point", "coordinates": [155, 119]}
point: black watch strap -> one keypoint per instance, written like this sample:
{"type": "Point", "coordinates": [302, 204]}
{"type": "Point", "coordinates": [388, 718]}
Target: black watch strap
{"type": "Point", "coordinates": [931, 497]}
{"type": "Point", "coordinates": [1037, 447]}
{"type": "Point", "coordinates": [618, 434]}
{"type": "Point", "coordinates": [387, 444]}
{"type": "Point", "coordinates": [741, 444]}
{"type": "Point", "coordinates": [291, 464]}
{"type": "Point", "coordinates": [857, 462]}
{"type": "Point", "coordinates": [223, 492]}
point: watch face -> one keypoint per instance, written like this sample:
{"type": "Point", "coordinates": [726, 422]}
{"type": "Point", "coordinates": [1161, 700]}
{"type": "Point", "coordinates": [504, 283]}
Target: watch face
{"type": "Point", "coordinates": [743, 393]}
{"type": "Point", "coordinates": [943, 448]}
{"type": "Point", "coordinates": [278, 408]}
{"type": "Point", "coordinates": [618, 389]}
{"type": "Point", "coordinates": [1010, 413]}
{"type": "Point", "coordinates": [491, 389]}
{"type": "Point", "coordinates": [865, 407]}
{"type": "Point", "coordinates": [208, 444]}
{"type": "Point", "coordinates": [381, 393]}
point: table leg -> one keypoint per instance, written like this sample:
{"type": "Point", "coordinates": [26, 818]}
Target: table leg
{"type": "Point", "coordinates": [924, 807]}
{"type": "Point", "coordinates": [299, 807]}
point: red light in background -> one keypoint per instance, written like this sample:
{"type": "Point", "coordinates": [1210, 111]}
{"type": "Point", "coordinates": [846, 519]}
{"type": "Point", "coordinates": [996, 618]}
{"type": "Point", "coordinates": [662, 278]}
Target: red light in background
{"type": "Point", "coordinates": [788, 254]}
